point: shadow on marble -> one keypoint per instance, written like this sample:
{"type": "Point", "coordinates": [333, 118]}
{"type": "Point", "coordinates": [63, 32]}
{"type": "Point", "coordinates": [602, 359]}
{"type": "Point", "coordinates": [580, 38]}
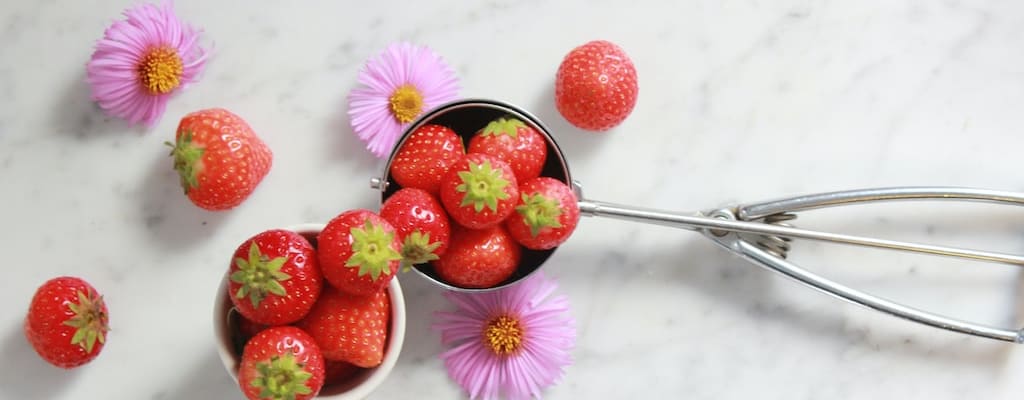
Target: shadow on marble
{"type": "Point", "coordinates": [342, 143]}
{"type": "Point", "coordinates": [732, 282]}
{"type": "Point", "coordinates": [27, 376]}
{"type": "Point", "coordinates": [577, 144]}
{"type": "Point", "coordinates": [422, 299]}
{"type": "Point", "coordinates": [169, 217]}
{"type": "Point", "coordinates": [206, 379]}
{"type": "Point", "coordinates": [75, 114]}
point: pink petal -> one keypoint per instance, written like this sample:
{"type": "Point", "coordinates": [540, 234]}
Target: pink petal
{"type": "Point", "coordinates": [111, 71]}
{"type": "Point", "coordinates": [399, 64]}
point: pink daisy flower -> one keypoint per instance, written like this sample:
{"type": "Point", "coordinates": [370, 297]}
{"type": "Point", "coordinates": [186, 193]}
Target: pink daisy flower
{"type": "Point", "coordinates": [398, 86]}
{"type": "Point", "coordinates": [512, 342]}
{"type": "Point", "coordinates": [143, 60]}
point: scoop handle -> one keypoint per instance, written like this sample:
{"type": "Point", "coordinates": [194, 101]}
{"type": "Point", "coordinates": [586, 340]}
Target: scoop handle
{"type": "Point", "coordinates": [767, 260]}
{"type": "Point", "coordinates": [722, 226]}
{"type": "Point", "coordinates": [722, 221]}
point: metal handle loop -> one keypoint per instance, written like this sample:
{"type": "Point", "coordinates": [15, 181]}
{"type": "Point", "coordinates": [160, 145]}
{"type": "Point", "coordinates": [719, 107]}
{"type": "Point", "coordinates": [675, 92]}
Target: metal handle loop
{"type": "Point", "coordinates": [755, 254]}
{"type": "Point", "coordinates": [724, 225]}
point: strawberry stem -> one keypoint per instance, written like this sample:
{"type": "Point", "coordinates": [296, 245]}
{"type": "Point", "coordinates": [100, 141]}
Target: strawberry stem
{"type": "Point", "coordinates": [187, 160]}
{"type": "Point", "coordinates": [90, 321]}
{"type": "Point", "coordinates": [483, 186]}
{"type": "Point", "coordinates": [371, 250]}
{"type": "Point", "coordinates": [259, 276]}
{"type": "Point", "coordinates": [539, 212]}
{"type": "Point", "coordinates": [503, 126]}
{"type": "Point", "coordinates": [417, 249]}
{"type": "Point", "coordinates": [281, 378]}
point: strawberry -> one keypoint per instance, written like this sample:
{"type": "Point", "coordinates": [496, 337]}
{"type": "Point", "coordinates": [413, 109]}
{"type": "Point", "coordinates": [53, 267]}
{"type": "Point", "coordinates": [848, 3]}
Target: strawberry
{"type": "Point", "coordinates": [67, 322]}
{"type": "Point", "coordinates": [425, 156]}
{"type": "Point", "coordinates": [274, 277]}
{"type": "Point", "coordinates": [479, 258]}
{"type": "Point", "coordinates": [546, 215]}
{"type": "Point", "coordinates": [421, 224]}
{"type": "Point", "coordinates": [282, 362]}
{"type": "Point", "coordinates": [596, 86]}
{"type": "Point", "coordinates": [219, 158]}
{"type": "Point", "coordinates": [514, 142]}
{"type": "Point", "coordinates": [350, 328]}
{"type": "Point", "coordinates": [479, 191]}
{"type": "Point", "coordinates": [359, 252]}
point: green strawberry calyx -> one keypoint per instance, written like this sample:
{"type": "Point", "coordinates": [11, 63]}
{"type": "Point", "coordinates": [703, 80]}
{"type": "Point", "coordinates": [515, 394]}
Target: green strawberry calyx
{"type": "Point", "coordinates": [539, 212]}
{"type": "Point", "coordinates": [90, 321]}
{"type": "Point", "coordinates": [259, 276]}
{"type": "Point", "coordinates": [503, 126]}
{"type": "Point", "coordinates": [371, 250]}
{"type": "Point", "coordinates": [417, 249]}
{"type": "Point", "coordinates": [483, 186]}
{"type": "Point", "coordinates": [282, 377]}
{"type": "Point", "coordinates": [188, 160]}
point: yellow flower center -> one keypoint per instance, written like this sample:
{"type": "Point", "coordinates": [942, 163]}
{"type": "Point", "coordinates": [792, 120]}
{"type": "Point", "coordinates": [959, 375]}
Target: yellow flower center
{"type": "Point", "coordinates": [504, 335]}
{"type": "Point", "coordinates": [406, 103]}
{"type": "Point", "coordinates": [160, 70]}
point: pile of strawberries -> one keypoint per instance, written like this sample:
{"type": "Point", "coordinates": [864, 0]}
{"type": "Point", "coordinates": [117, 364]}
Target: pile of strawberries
{"type": "Point", "coordinates": [491, 189]}
{"type": "Point", "coordinates": [313, 310]}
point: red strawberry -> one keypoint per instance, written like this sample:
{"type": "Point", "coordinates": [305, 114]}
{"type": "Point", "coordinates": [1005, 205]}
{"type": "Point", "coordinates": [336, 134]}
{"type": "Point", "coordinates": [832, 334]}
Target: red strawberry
{"type": "Point", "coordinates": [350, 328]}
{"type": "Point", "coordinates": [420, 222]}
{"type": "Point", "coordinates": [274, 277]}
{"type": "Point", "coordinates": [425, 156]}
{"type": "Point", "coordinates": [338, 371]}
{"type": "Point", "coordinates": [219, 158]}
{"type": "Point", "coordinates": [479, 258]}
{"type": "Point", "coordinates": [596, 86]}
{"type": "Point", "coordinates": [67, 322]}
{"type": "Point", "coordinates": [479, 191]}
{"type": "Point", "coordinates": [282, 362]}
{"type": "Point", "coordinates": [514, 142]}
{"type": "Point", "coordinates": [546, 215]}
{"type": "Point", "coordinates": [359, 252]}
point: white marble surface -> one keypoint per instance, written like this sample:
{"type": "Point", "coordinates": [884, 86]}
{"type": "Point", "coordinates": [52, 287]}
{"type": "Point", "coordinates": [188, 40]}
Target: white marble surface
{"type": "Point", "coordinates": [739, 101]}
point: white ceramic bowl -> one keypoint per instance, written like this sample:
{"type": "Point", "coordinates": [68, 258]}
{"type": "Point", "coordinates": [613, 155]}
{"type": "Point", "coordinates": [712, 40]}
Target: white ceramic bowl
{"type": "Point", "coordinates": [358, 386]}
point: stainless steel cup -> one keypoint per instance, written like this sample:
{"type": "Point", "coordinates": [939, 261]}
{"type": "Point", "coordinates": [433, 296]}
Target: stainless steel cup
{"type": "Point", "coordinates": [466, 117]}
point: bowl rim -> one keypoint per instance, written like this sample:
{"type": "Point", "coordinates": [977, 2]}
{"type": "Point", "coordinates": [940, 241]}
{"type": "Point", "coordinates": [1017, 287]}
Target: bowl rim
{"type": "Point", "coordinates": [375, 376]}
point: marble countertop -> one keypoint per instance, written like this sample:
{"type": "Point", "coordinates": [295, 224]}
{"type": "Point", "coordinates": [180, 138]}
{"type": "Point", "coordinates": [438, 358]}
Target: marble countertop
{"type": "Point", "coordinates": [739, 101]}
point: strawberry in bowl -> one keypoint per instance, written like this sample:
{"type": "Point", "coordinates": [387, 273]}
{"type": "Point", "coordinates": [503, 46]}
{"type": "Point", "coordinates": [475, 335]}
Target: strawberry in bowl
{"type": "Point", "coordinates": [422, 225]}
{"type": "Point", "coordinates": [275, 277]}
{"type": "Point", "coordinates": [514, 142]}
{"type": "Point", "coordinates": [359, 252]}
{"type": "Point", "coordinates": [341, 379]}
{"type": "Point", "coordinates": [282, 362]}
{"type": "Point", "coordinates": [479, 191]}
{"type": "Point", "coordinates": [479, 258]}
{"type": "Point", "coordinates": [425, 156]}
{"type": "Point", "coordinates": [546, 214]}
